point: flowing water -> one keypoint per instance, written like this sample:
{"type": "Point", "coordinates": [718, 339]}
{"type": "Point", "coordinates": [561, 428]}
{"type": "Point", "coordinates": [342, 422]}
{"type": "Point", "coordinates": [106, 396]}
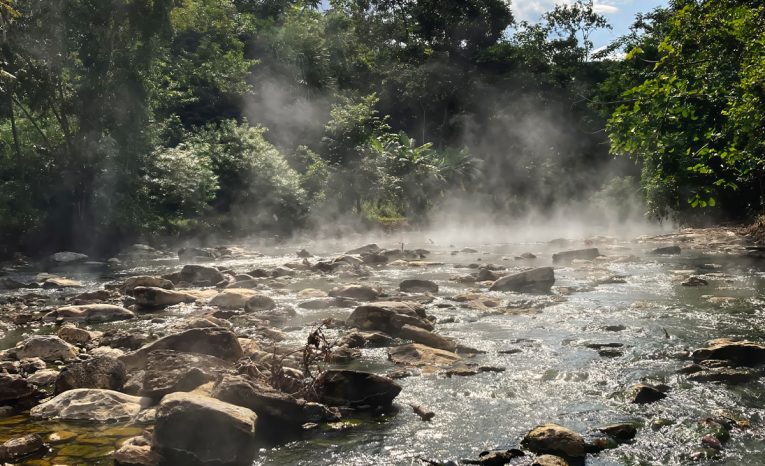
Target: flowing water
{"type": "Point", "coordinates": [629, 297]}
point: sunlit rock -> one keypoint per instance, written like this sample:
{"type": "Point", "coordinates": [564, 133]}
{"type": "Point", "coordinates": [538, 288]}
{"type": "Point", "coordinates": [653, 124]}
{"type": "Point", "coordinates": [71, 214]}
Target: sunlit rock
{"type": "Point", "coordinates": [86, 404]}
{"type": "Point", "coordinates": [90, 313]}
{"type": "Point", "coordinates": [553, 439]}
{"type": "Point", "coordinates": [538, 280]}
{"type": "Point", "coordinates": [159, 297]}
{"type": "Point", "coordinates": [196, 430]}
{"type": "Point", "coordinates": [49, 348]}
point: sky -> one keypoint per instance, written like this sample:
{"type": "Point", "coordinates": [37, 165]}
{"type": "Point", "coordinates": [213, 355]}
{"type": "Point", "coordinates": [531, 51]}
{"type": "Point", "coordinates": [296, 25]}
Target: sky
{"type": "Point", "coordinates": [619, 13]}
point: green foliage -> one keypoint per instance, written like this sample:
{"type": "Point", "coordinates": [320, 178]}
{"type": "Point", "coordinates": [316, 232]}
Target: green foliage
{"type": "Point", "coordinates": [258, 188]}
{"type": "Point", "coordinates": [695, 120]}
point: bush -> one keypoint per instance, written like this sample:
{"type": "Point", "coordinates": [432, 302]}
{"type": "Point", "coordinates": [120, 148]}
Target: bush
{"type": "Point", "coordinates": [257, 187]}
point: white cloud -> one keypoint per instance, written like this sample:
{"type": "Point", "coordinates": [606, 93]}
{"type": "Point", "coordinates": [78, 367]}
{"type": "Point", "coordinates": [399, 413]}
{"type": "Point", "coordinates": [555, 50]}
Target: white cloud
{"type": "Point", "coordinates": [531, 10]}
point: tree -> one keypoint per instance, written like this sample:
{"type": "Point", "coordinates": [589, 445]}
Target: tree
{"type": "Point", "coordinates": [695, 122]}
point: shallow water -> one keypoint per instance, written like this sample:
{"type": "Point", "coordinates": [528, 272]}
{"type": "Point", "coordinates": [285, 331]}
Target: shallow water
{"type": "Point", "coordinates": [553, 377]}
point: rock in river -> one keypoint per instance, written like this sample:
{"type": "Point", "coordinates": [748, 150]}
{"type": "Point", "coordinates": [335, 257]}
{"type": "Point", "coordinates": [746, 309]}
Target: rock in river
{"type": "Point", "coordinates": [744, 353]}
{"type": "Point", "coordinates": [418, 355]}
{"type": "Point", "coordinates": [360, 292]}
{"type": "Point", "coordinates": [538, 280]}
{"type": "Point", "coordinates": [197, 430]}
{"type": "Point", "coordinates": [418, 286]}
{"type": "Point", "coordinates": [101, 372]}
{"type": "Point", "coordinates": [667, 250]}
{"type": "Point", "coordinates": [643, 393]}
{"type": "Point", "coordinates": [426, 337]}
{"type": "Point", "coordinates": [201, 275]}
{"type": "Point", "coordinates": [214, 341]}
{"type": "Point", "coordinates": [356, 389]}
{"type": "Point", "coordinates": [15, 389]}
{"type": "Point", "coordinates": [159, 297]}
{"type": "Point", "coordinates": [49, 348]}
{"type": "Point", "coordinates": [232, 298]}
{"type": "Point", "coordinates": [577, 254]}
{"type": "Point", "coordinates": [279, 413]}
{"type": "Point", "coordinates": [86, 404]}
{"type": "Point", "coordinates": [556, 440]}
{"type": "Point", "coordinates": [90, 313]}
{"type": "Point", "coordinates": [388, 317]}
{"type": "Point", "coordinates": [170, 371]}
{"type": "Point", "coordinates": [21, 447]}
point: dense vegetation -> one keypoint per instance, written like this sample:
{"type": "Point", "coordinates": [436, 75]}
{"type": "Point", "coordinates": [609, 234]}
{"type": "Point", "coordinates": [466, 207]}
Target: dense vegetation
{"type": "Point", "coordinates": [140, 119]}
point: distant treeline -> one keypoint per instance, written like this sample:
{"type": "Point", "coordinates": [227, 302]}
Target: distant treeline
{"type": "Point", "coordinates": [126, 120]}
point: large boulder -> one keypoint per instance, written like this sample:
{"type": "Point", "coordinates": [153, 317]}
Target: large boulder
{"type": "Point", "coordinates": [198, 430]}
{"type": "Point", "coordinates": [90, 404]}
{"type": "Point", "coordinates": [388, 317]}
{"type": "Point", "coordinates": [170, 371]}
{"type": "Point", "coordinates": [201, 275]}
{"type": "Point", "coordinates": [100, 372]}
{"type": "Point", "coordinates": [15, 389]}
{"type": "Point", "coordinates": [577, 254]}
{"type": "Point", "coordinates": [232, 298]}
{"type": "Point", "coordinates": [743, 353]}
{"type": "Point", "coordinates": [70, 333]}
{"type": "Point", "coordinates": [538, 280]}
{"type": "Point", "coordinates": [553, 439]}
{"type": "Point", "coordinates": [49, 348]}
{"type": "Point", "coordinates": [159, 297]}
{"type": "Point", "coordinates": [356, 389]}
{"type": "Point", "coordinates": [360, 292]}
{"type": "Point", "coordinates": [136, 451]}
{"type": "Point", "coordinates": [418, 286]}
{"type": "Point", "coordinates": [278, 413]}
{"type": "Point", "coordinates": [417, 355]}
{"type": "Point", "coordinates": [91, 313]}
{"type": "Point", "coordinates": [214, 341]}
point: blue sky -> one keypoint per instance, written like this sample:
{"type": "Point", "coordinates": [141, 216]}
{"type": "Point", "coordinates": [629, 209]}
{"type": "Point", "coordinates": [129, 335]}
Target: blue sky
{"type": "Point", "coordinates": [620, 14]}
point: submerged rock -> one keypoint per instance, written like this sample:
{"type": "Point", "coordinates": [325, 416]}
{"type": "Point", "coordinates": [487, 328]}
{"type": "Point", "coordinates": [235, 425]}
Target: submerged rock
{"type": "Point", "coordinates": [553, 439]}
{"type": "Point", "coordinates": [227, 438]}
{"type": "Point", "coordinates": [356, 389]}
{"type": "Point", "coordinates": [101, 372]}
{"type": "Point", "coordinates": [86, 404]}
{"type": "Point", "coordinates": [90, 313]}
{"type": "Point", "coordinates": [622, 432]}
{"type": "Point", "coordinates": [744, 353]}
{"type": "Point", "coordinates": [538, 280]}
